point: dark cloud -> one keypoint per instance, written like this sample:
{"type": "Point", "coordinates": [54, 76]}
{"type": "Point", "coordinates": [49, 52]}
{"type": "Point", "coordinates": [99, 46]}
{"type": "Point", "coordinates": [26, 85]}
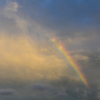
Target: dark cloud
{"type": "Point", "coordinates": [62, 96]}
{"type": "Point", "coordinates": [78, 92]}
{"type": "Point", "coordinates": [39, 87]}
{"type": "Point", "coordinates": [7, 92]}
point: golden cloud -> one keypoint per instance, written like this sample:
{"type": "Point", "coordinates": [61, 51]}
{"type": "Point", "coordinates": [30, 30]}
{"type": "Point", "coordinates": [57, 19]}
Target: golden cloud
{"type": "Point", "coordinates": [21, 58]}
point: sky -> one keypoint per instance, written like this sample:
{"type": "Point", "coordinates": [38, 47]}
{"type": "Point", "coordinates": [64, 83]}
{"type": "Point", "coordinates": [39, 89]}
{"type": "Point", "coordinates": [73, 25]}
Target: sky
{"type": "Point", "coordinates": [49, 50]}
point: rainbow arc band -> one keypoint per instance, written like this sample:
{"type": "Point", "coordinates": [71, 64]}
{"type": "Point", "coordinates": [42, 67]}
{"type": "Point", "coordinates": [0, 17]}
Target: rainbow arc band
{"type": "Point", "coordinates": [71, 62]}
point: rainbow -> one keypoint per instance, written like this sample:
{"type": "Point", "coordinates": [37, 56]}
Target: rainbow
{"type": "Point", "coordinates": [71, 62]}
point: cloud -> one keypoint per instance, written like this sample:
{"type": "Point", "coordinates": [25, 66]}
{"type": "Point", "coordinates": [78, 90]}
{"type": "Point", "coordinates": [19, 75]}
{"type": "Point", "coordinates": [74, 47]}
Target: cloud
{"type": "Point", "coordinates": [76, 32]}
{"type": "Point", "coordinates": [11, 6]}
{"type": "Point", "coordinates": [22, 56]}
{"type": "Point", "coordinates": [28, 56]}
{"type": "Point", "coordinates": [62, 95]}
{"type": "Point", "coordinates": [98, 95]}
{"type": "Point", "coordinates": [81, 57]}
{"type": "Point", "coordinates": [7, 92]}
{"type": "Point", "coordinates": [27, 53]}
{"type": "Point", "coordinates": [78, 92]}
{"type": "Point", "coordinates": [11, 14]}
{"type": "Point", "coordinates": [39, 87]}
